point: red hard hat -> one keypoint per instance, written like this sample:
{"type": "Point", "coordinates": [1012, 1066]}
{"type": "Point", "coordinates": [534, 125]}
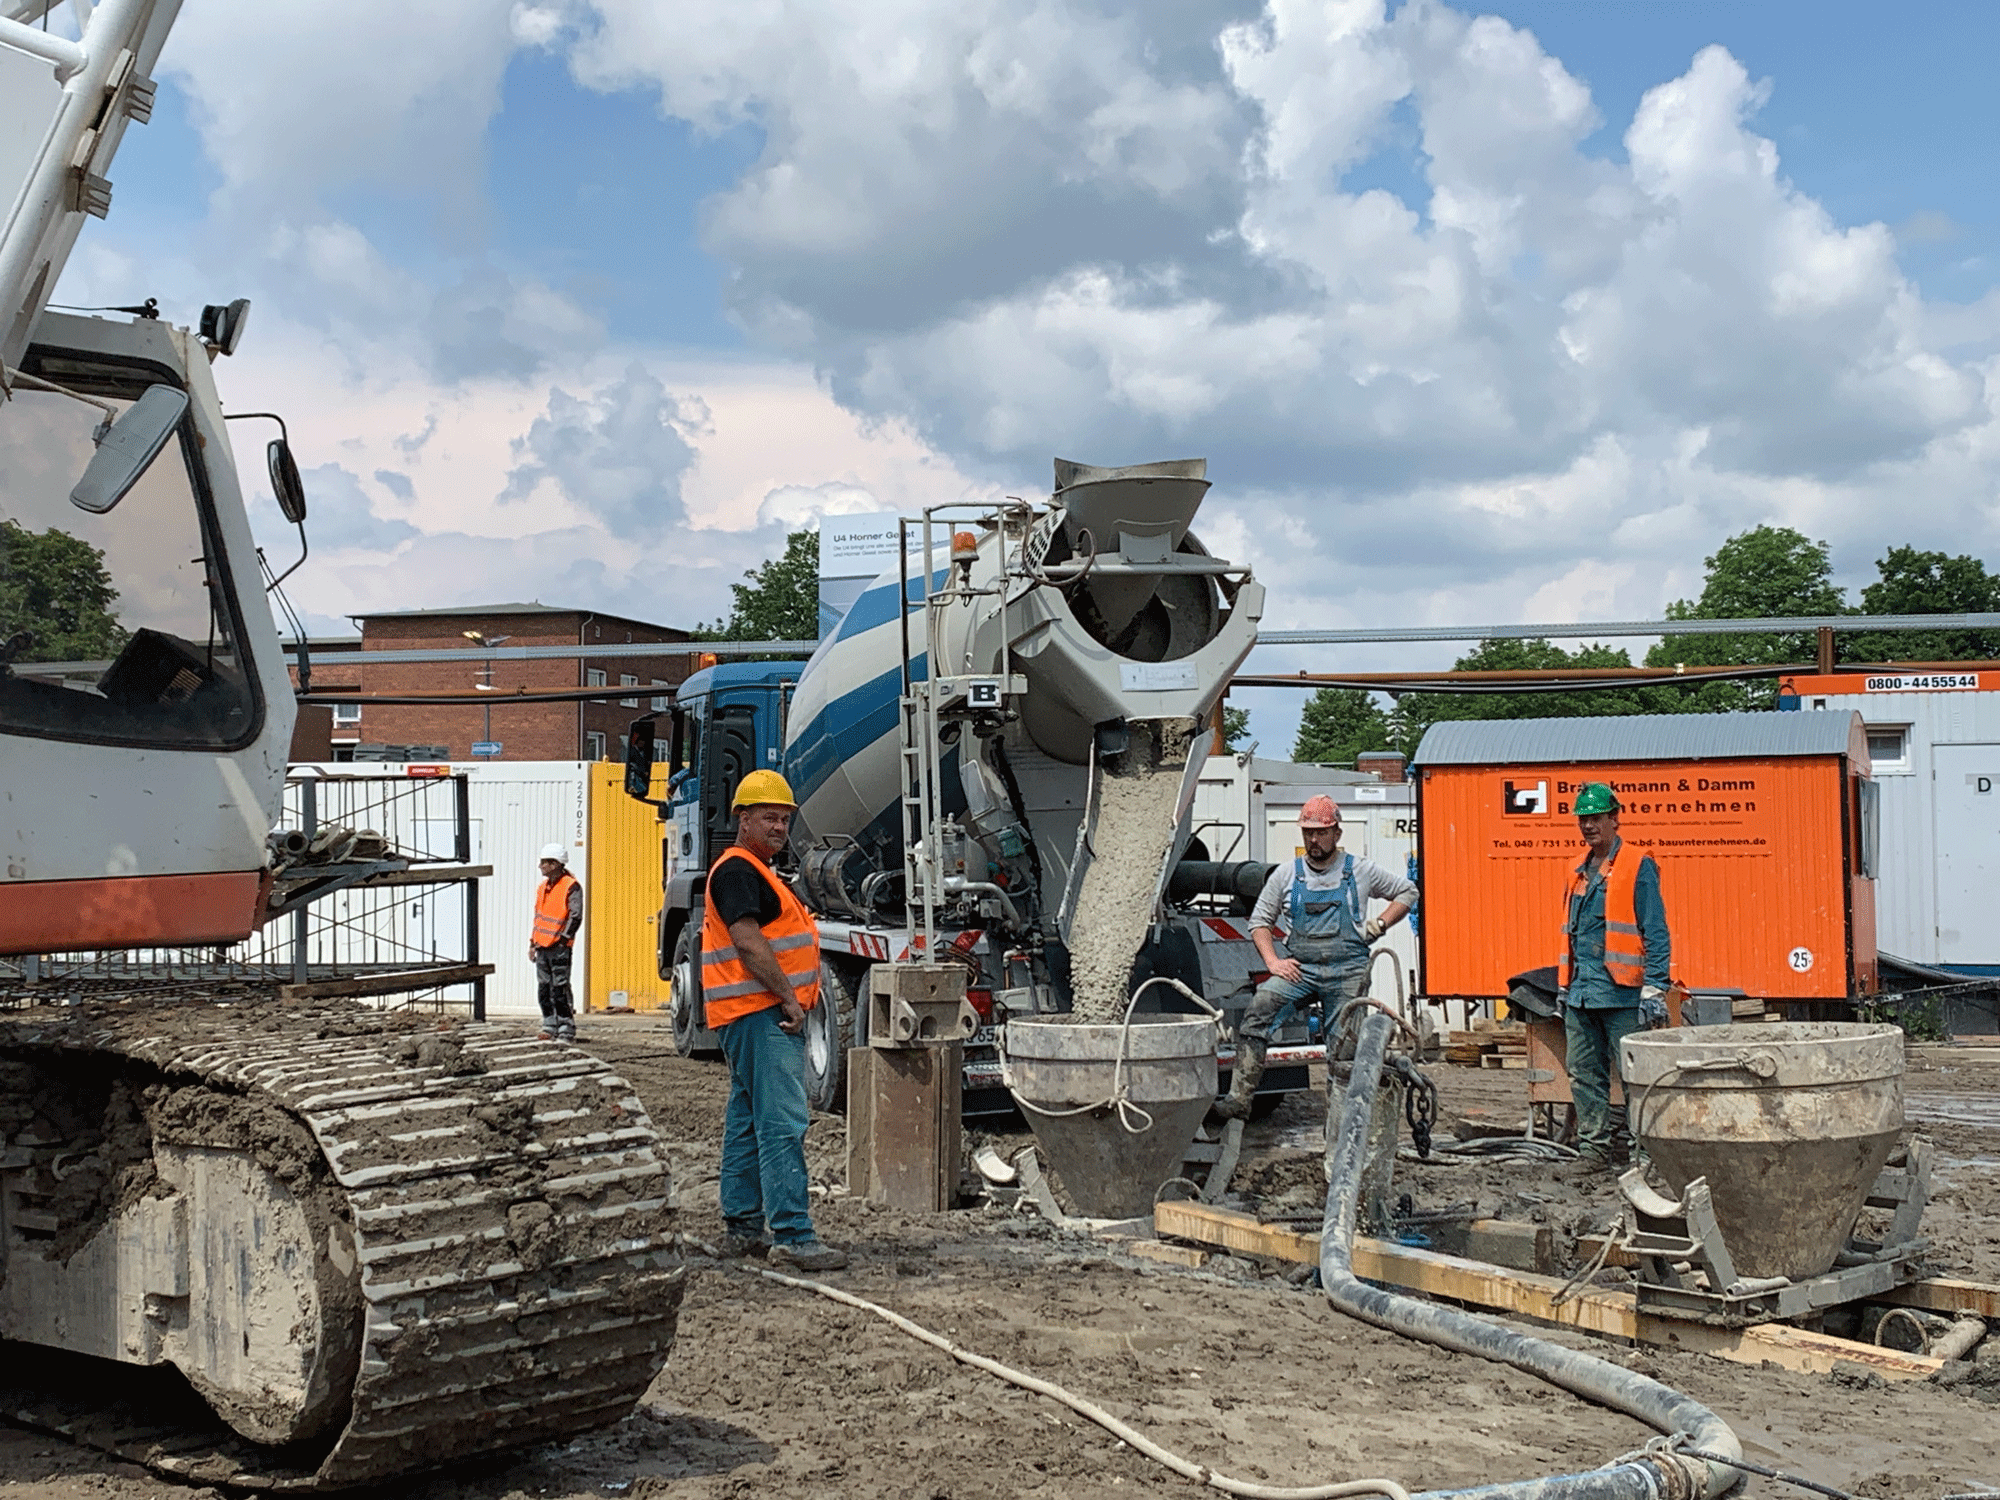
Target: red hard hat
{"type": "Point", "coordinates": [1319, 812]}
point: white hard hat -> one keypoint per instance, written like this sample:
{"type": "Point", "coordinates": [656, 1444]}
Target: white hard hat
{"type": "Point", "coordinates": [555, 852]}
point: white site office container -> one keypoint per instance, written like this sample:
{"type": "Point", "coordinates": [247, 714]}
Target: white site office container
{"type": "Point", "coordinates": [1248, 808]}
{"type": "Point", "coordinates": [1934, 742]}
{"type": "Point", "coordinates": [516, 808]}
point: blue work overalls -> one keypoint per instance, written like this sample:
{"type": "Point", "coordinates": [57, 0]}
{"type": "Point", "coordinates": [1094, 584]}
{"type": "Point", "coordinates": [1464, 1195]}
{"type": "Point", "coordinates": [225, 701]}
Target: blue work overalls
{"type": "Point", "coordinates": [1325, 937]}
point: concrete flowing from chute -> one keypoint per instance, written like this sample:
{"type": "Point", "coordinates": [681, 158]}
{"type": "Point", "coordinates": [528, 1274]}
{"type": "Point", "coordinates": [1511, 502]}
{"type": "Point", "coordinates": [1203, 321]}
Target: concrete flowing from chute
{"type": "Point", "coordinates": [1133, 839]}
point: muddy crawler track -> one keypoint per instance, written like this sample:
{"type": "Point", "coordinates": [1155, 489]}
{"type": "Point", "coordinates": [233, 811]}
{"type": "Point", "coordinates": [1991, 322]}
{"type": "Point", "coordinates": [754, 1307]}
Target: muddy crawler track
{"type": "Point", "coordinates": [507, 1199]}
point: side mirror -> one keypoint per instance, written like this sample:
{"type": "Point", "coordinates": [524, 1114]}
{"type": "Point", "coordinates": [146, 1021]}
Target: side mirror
{"type": "Point", "coordinates": [639, 760]}
{"type": "Point", "coordinates": [285, 483]}
{"type": "Point", "coordinates": [128, 448]}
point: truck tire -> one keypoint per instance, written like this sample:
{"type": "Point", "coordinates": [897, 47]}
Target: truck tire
{"type": "Point", "coordinates": [684, 1008]}
{"type": "Point", "coordinates": [830, 1031]}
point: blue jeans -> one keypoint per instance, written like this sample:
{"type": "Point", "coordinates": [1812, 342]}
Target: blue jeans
{"type": "Point", "coordinates": [1591, 1035]}
{"type": "Point", "coordinates": [764, 1130]}
{"type": "Point", "coordinates": [1330, 985]}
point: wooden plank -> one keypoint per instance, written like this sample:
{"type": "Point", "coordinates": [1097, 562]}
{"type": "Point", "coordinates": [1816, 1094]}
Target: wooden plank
{"type": "Point", "coordinates": [384, 984]}
{"type": "Point", "coordinates": [1611, 1314]}
{"type": "Point", "coordinates": [1186, 1256]}
{"type": "Point", "coordinates": [1943, 1294]}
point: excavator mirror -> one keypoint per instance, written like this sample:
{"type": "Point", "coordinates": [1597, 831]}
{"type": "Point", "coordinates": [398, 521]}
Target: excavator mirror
{"type": "Point", "coordinates": [128, 447]}
{"type": "Point", "coordinates": [285, 483]}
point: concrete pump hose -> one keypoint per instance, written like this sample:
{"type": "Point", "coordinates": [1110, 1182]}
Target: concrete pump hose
{"type": "Point", "coordinates": [1658, 1473]}
{"type": "Point", "coordinates": [1200, 1473]}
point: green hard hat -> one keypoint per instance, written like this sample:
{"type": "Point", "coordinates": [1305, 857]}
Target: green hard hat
{"type": "Point", "coordinates": [1595, 797]}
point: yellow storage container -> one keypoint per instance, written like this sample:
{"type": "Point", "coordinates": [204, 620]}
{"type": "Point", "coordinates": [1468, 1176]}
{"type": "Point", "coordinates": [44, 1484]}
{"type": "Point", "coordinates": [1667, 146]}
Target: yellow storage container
{"type": "Point", "coordinates": [623, 898]}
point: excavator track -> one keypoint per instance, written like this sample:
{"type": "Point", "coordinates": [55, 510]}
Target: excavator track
{"type": "Point", "coordinates": [508, 1207]}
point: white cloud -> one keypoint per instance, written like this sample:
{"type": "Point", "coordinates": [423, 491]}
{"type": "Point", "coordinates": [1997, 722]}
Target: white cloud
{"type": "Point", "coordinates": [1544, 378]}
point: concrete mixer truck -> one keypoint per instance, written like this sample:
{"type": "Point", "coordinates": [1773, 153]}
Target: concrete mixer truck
{"type": "Point", "coordinates": [995, 756]}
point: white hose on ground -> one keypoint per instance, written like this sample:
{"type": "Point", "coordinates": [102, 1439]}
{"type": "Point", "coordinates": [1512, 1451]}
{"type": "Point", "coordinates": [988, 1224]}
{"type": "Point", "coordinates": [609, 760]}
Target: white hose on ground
{"type": "Point", "coordinates": [1187, 1468]}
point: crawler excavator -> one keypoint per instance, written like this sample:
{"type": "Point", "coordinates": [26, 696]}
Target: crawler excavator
{"type": "Point", "coordinates": [276, 1247]}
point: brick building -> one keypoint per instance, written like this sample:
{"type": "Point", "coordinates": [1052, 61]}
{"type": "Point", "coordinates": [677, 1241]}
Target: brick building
{"type": "Point", "coordinates": [526, 731]}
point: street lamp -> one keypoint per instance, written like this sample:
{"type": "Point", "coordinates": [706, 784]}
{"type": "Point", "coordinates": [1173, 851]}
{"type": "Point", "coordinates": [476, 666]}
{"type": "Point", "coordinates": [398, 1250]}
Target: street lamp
{"type": "Point", "coordinates": [486, 643]}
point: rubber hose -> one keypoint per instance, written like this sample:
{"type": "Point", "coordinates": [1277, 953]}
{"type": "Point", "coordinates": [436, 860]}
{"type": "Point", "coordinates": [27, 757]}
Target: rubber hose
{"type": "Point", "coordinates": [1655, 1475]}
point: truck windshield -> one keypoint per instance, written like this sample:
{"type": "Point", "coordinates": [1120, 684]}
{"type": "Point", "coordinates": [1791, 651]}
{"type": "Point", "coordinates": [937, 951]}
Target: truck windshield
{"type": "Point", "coordinates": [114, 628]}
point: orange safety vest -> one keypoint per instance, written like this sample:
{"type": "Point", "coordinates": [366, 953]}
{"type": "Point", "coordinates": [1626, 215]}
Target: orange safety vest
{"type": "Point", "coordinates": [729, 990]}
{"type": "Point", "coordinates": [552, 908]}
{"type": "Point", "coordinates": [1624, 948]}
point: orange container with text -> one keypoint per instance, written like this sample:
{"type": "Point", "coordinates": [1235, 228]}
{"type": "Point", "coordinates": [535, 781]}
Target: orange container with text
{"type": "Point", "coordinates": [1763, 827]}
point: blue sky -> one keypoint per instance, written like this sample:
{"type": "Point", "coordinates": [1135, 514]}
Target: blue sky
{"type": "Point", "coordinates": [1475, 321]}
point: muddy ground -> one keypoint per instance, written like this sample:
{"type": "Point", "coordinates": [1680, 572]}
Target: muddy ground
{"type": "Point", "coordinates": [773, 1392]}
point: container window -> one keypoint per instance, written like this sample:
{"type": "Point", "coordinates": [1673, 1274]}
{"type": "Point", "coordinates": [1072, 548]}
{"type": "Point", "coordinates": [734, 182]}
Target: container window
{"type": "Point", "coordinates": [1889, 748]}
{"type": "Point", "coordinates": [1871, 827]}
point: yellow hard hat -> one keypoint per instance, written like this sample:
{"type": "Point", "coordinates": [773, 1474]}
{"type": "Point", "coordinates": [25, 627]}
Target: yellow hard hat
{"type": "Point", "coordinates": [763, 789]}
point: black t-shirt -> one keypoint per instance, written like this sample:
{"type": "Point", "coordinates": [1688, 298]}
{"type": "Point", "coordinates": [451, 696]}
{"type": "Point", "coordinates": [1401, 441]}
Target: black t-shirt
{"type": "Point", "coordinates": [736, 891]}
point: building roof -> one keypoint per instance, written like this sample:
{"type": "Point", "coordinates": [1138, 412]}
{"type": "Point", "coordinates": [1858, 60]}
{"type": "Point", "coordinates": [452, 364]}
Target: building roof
{"type": "Point", "coordinates": [534, 608]}
{"type": "Point", "coordinates": [1520, 742]}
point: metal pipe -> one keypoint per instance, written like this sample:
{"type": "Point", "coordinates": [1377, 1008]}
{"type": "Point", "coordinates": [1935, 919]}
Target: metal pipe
{"type": "Point", "coordinates": [1657, 1474]}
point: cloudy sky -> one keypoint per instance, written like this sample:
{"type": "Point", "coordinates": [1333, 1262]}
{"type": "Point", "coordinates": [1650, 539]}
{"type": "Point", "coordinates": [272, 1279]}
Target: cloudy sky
{"type": "Point", "coordinates": [1479, 314]}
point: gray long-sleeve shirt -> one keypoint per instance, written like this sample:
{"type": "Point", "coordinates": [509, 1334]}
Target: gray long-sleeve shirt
{"type": "Point", "coordinates": [1370, 879]}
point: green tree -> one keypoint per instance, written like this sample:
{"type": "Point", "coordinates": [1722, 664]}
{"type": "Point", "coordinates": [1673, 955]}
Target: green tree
{"type": "Point", "coordinates": [1339, 724]}
{"type": "Point", "coordinates": [1235, 727]}
{"type": "Point", "coordinates": [55, 592]}
{"type": "Point", "coordinates": [780, 602]}
{"type": "Point", "coordinates": [1416, 712]}
{"type": "Point", "coordinates": [1761, 573]}
{"type": "Point", "coordinates": [1927, 583]}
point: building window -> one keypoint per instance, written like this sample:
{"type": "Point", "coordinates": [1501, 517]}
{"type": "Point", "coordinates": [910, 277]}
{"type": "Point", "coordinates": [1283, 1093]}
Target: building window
{"type": "Point", "coordinates": [343, 754]}
{"type": "Point", "coordinates": [346, 715]}
{"type": "Point", "coordinates": [1889, 749]}
{"type": "Point", "coordinates": [661, 703]}
{"type": "Point", "coordinates": [593, 677]}
{"type": "Point", "coordinates": [593, 744]}
{"type": "Point", "coordinates": [626, 679]}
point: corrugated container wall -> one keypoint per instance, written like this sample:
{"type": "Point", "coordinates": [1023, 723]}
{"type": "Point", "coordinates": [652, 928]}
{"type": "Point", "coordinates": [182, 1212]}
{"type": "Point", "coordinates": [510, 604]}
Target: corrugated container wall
{"type": "Point", "coordinates": [1759, 857]}
{"type": "Point", "coordinates": [1936, 757]}
{"type": "Point", "coordinates": [517, 807]}
{"type": "Point", "coordinates": [624, 895]}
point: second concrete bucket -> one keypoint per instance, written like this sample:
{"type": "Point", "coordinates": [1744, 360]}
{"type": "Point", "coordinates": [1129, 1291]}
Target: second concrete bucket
{"type": "Point", "coordinates": [1790, 1124]}
{"type": "Point", "coordinates": [1070, 1083]}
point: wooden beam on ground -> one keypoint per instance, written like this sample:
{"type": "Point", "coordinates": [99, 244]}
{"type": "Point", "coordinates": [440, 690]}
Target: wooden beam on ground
{"type": "Point", "coordinates": [1942, 1294]}
{"type": "Point", "coordinates": [396, 983]}
{"type": "Point", "coordinates": [1606, 1312]}
{"type": "Point", "coordinates": [1188, 1257]}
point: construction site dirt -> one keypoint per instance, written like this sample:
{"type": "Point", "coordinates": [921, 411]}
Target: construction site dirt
{"type": "Point", "coordinates": [1236, 1364]}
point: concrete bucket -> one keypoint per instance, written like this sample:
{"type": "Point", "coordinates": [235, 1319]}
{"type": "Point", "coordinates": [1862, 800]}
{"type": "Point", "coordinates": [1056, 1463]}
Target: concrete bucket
{"type": "Point", "coordinates": [1068, 1079]}
{"type": "Point", "coordinates": [1790, 1124]}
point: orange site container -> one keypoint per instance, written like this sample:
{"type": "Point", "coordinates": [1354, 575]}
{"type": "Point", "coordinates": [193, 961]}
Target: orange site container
{"type": "Point", "coordinates": [1763, 826]}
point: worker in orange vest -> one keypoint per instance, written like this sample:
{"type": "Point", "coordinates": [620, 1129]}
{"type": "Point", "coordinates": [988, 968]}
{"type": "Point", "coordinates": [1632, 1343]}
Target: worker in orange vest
{"type": "Point", "coordinates": [1613, 975]}
{"type": "Point", "coordinates": [552, 944]}
{"type": "Point", "coordinates": [759, 977]}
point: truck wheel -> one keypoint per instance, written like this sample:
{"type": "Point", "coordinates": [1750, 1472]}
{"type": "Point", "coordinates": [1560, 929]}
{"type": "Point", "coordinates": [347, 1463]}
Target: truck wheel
{"type": "Point", "coordinates": [684, 1009]}
{"type": "Point", "coordinates": [829, 1033]}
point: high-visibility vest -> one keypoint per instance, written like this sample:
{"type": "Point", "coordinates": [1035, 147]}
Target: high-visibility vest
{"type": "Point", "coordinates": [1624, 947]}
{"type": "Point", "coordinates": [729, 990]}
{"type": "Point", "coordinates": [552, 908]}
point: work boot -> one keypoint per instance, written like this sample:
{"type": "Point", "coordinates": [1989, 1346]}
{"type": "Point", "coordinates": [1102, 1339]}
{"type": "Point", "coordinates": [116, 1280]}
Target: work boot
{"type": "Point", "coordinates": [735, 1245]}
{"type": "Point", "coordinates": [808, 1255]}
{"type": "Point", "coordinates": [1249, 1072]}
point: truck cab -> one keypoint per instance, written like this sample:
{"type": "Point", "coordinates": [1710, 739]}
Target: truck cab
{"type": "Point", "coordinates": [727, 720]}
